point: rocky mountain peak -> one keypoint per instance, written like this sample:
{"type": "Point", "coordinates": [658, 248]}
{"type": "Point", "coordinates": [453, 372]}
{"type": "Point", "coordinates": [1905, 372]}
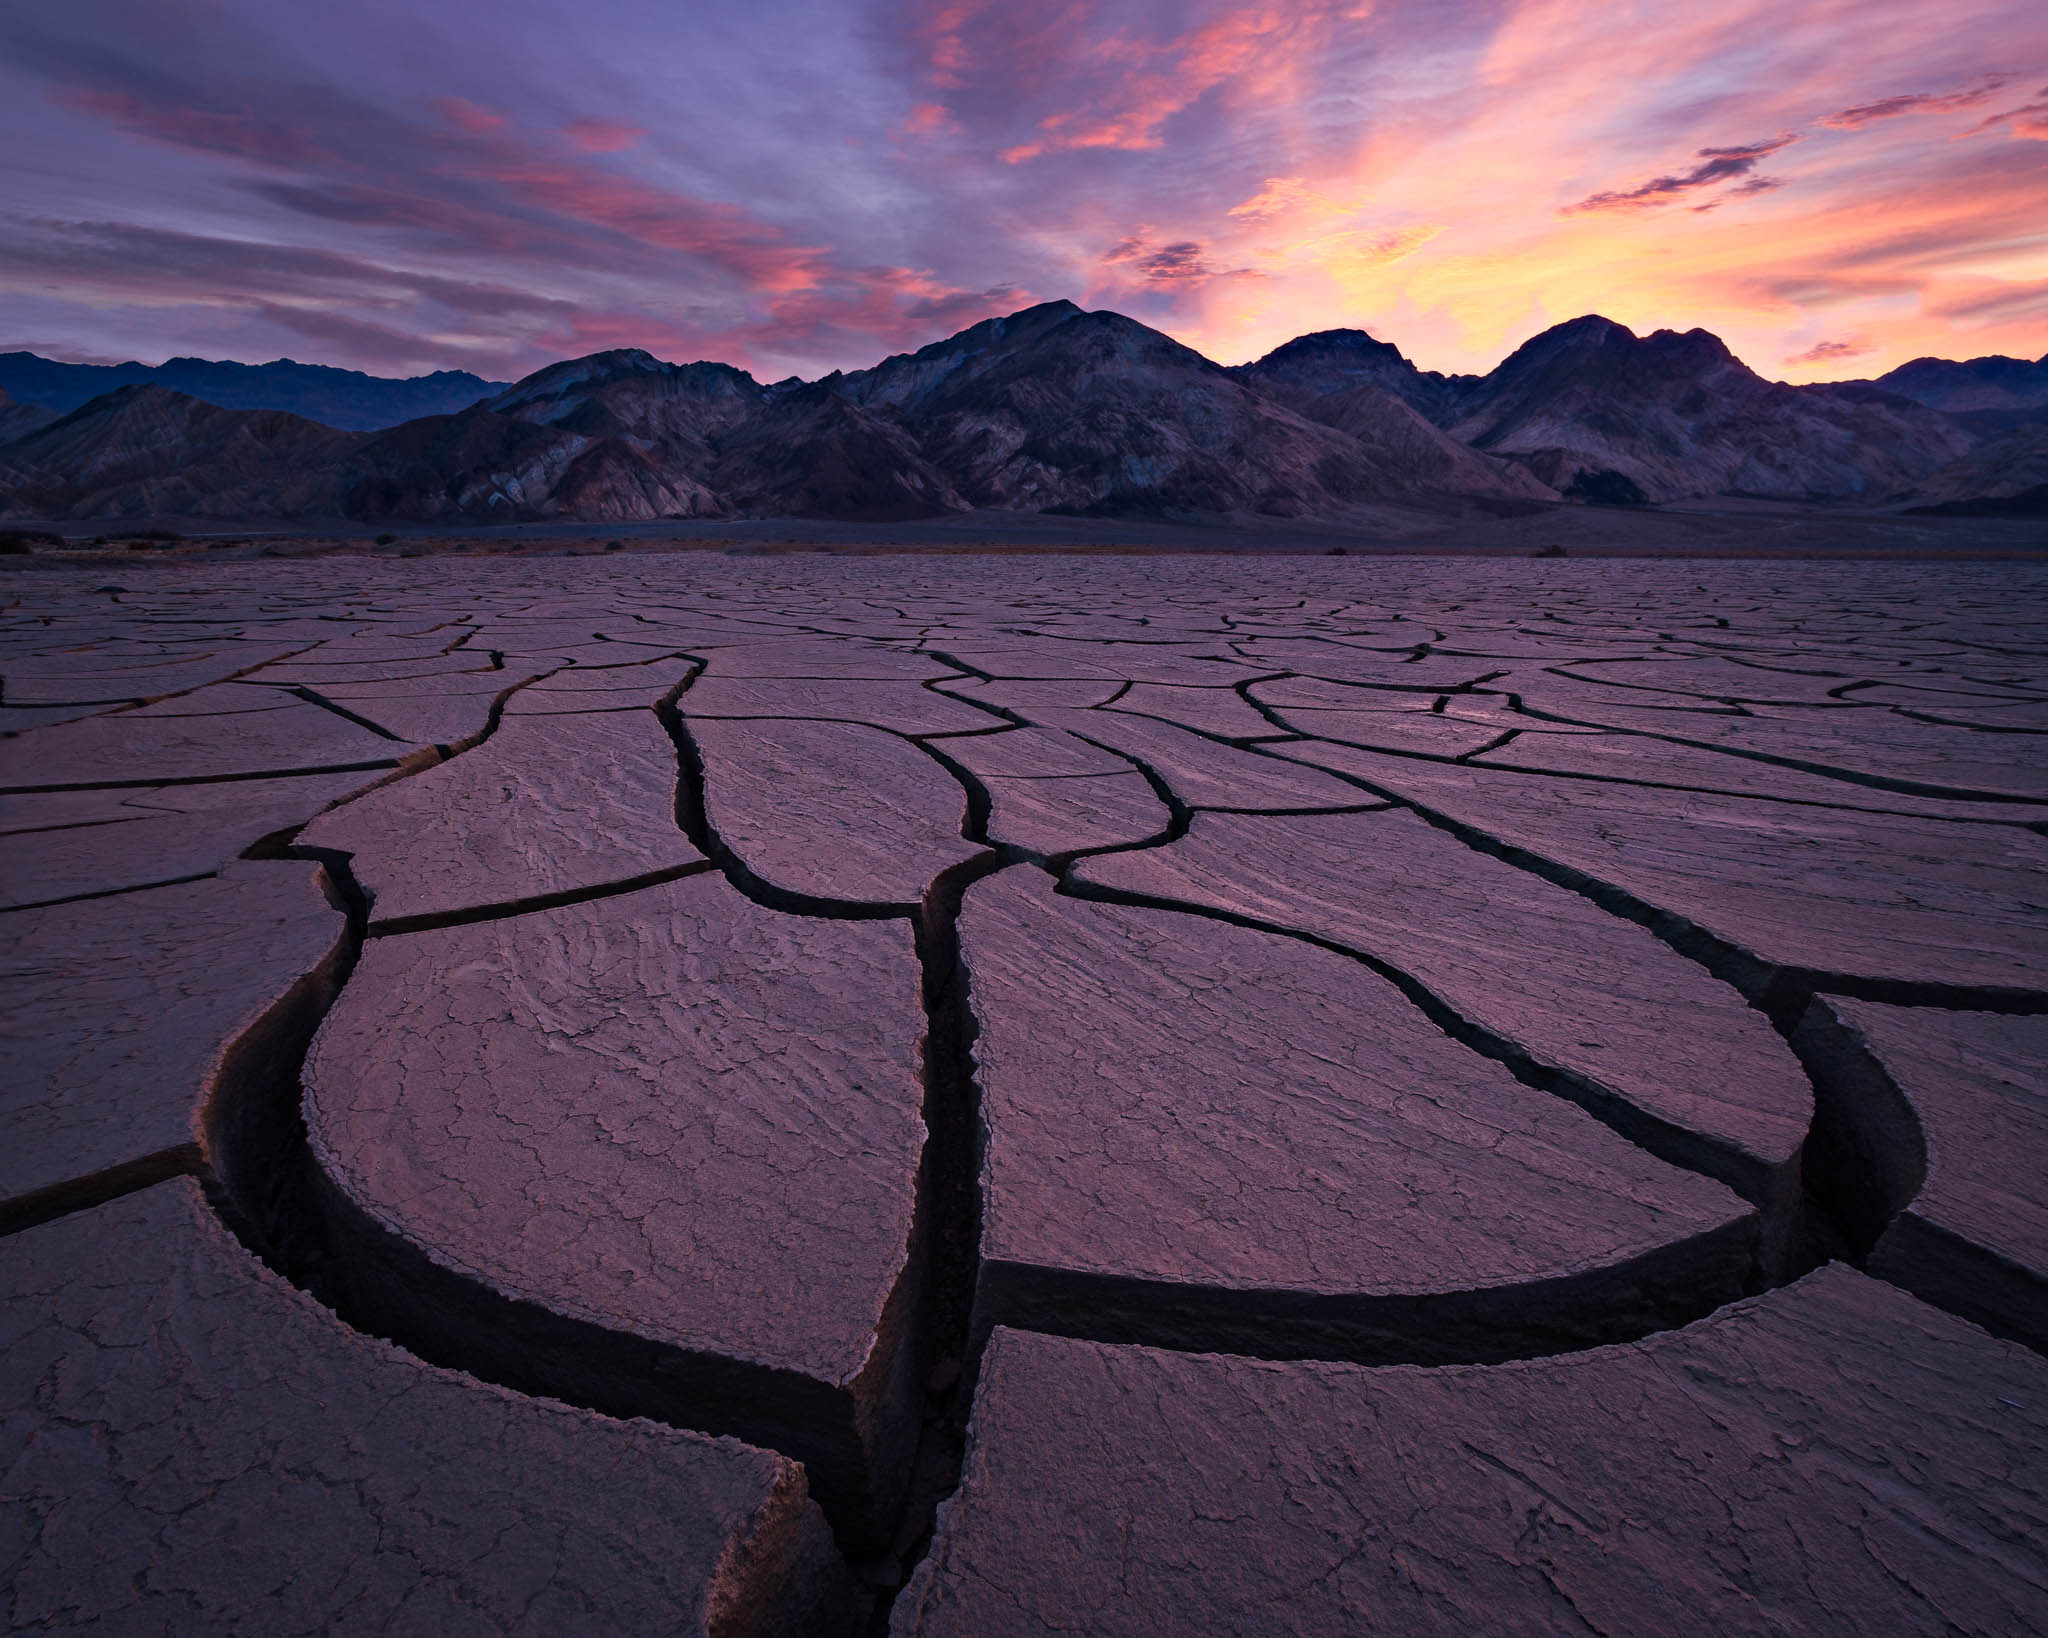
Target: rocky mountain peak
{"type": "Point", "coordinates": [587, 373]}
{"type": "Point", "coordinates": [1050, 408]}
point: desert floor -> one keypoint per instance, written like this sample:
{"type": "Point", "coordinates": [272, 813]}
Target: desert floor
{"type": "Point", "coordinates": [753, 1089]}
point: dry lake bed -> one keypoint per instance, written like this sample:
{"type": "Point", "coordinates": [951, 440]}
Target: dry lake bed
{"type": "Point", "coordinates": [1024, 1095]}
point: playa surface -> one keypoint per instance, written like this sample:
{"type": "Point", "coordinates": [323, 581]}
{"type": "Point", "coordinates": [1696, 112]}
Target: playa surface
{"type": "Point", "coordinates": [764, 1092]}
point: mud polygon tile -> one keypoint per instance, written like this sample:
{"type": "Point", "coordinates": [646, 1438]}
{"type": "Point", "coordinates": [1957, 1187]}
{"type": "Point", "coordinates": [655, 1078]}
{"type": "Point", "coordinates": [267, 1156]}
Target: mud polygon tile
{"type": "Point", "coordinates": [1345, 664]}
{"type": "Point", "coordinates": [1944, 1116]}
{"type": "Point", "coordinates": [1870, 743]}
{"type": "Point", "coordinates": [831, 810]}
{"type": "Point", "coordinates": [445, 711]}
{"type": "Point", "coordinates": [128, 749]}
{"type": "Point", "coordinates": [1833, 1459]}
{"type": "Point", "coordinates": [311, 670]}
{"type": "Point", "coordinates": [1031, 753]}
{"type": "Point", "coordinates": [1532, 964]}
{"type": "Point", "coordinates": [19, 719]}
{"type": "Point", "coordinates": [1648, 760]}
{"type": "Point", "coordinates": [192, 1445]}
{"type": "Point", "coordinates": [903, 707]}
{"type": "Point", "coordinates": [824, 657]}
{"type": "Point", "coordinates": [672, 1125]}
{"type": "Point", "coordinates": [1205, 774]}
{"type": "Point", "coordinates": [90, 679]}
{"type": "Point", "coordinates": [140, 838]}
{"type": "Point", "coordinates": [546, 805]}
{"type": "Point", "coordinates": [1788, 889]}
{"type": "Point", "coordinates": [608, 688]}
{"type": "Point", "coordinates": [1036, 694]}
{"type": "Point", "coordinates": [118, 1011]}
{"type": "Point", "coordinates": [1419, 731]}
{"type": "Point", "coordinates": [217, 700]}
{"type": "Point", "coordinates": [1069, 813]}
{"type": "Point", "coordinates": [1218, 711]}
{"type": "Point", "coordinates": [1194, 1118]}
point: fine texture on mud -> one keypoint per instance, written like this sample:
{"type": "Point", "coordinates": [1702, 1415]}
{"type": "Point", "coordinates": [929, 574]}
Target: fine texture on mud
{"type": "Point", "coordinates": [839, 1096]}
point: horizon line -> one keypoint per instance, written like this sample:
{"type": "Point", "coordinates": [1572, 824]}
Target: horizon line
{"type": "Point", "coordinates": [570, 358]}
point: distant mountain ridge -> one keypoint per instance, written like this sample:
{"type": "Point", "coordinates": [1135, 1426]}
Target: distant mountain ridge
{"type": "Point", "coordinates": [349, 399]}
{"type": "Point", "coordinates": [1959, 385]}
{"type": "Point", "coordinates": [1051, 409]}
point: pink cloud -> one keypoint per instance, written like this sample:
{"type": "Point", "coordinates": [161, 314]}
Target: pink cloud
{"type": "Point", "coordinates": [264, 138]}
{"type": "Point", "coordinates": [467, 116]}
{"type": "Point", "coordinates": [1824, 352]}
{"type": "Point", "coordinates": [2029, 121]}
{"type": "Point", "coordinates": [603, 136]}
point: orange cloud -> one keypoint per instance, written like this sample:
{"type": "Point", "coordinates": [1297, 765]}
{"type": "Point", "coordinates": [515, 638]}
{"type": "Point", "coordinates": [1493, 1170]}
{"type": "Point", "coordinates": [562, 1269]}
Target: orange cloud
{"type": "Point", "coordinates": [1142, 83]}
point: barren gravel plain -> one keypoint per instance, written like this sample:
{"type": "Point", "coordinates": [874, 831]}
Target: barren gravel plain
{"type": "Point", "coordinates": [984, 1096]}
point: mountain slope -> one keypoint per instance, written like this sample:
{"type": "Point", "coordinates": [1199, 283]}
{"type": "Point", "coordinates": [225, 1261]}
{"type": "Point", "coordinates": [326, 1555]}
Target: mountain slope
{"type": "Point", "coordinates": [1333, 364]}
{"type": "Point", "coordinates": [1959, 385]}
{"type": "Point", "coordinates": [1048, 409]}
{"type": "Point", "coordinates": [614, 436]}
{"type": "Point", "coordinates": [144, 451]}
{"type": "Point", "coordinates": [1056, 409]}
{"type": "Point", "coordinates": [19, 420]}
{"type": "Point", "coordinates": [348, 399]}
{"type": "Point", "coordinates": [1993, 471]}
{"type": "Point", "coordinates": [1596, 411]}
{"type": "Point", "coordinates": [1347, 380]}
{"type": "Point", "coordinates": [814, 453]}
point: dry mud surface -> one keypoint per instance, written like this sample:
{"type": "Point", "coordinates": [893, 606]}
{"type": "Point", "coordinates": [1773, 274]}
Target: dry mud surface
{"type": "Point", "coordinates": [980, 1096]}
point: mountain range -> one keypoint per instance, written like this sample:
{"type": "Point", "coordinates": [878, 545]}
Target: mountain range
{"type": "Point", "coordinates": [339, 398]}
{"type": "Point", "coordinates": [1051, 409]}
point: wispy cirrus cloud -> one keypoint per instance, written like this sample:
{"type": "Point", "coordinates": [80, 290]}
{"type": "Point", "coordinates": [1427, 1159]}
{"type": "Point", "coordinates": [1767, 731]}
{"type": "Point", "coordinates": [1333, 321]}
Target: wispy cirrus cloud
{"type": "Point", "coordinates": [2028, 120]}
{"type": "Point", "coordinates": [1917, 102]}
{"type": "Point", "coordinates": [1716, 166]}
{"type": "Point", "coordinates": [810, 185]}
{"type": "Point", "coordinates": [1183, 259]}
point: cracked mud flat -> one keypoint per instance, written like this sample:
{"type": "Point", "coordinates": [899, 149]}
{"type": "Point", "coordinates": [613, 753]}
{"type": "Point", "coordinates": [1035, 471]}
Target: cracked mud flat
{"type": "Point", "coordinates": [1017, 1096]}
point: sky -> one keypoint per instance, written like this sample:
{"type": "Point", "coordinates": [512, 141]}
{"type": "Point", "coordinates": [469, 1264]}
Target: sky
{"type": "Point", "coordinates": [1832, 186]}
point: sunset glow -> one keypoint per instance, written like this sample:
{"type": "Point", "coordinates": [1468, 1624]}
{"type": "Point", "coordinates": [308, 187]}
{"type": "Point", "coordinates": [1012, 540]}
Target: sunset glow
{"type": "Point", "coordinates": [1833, 188]}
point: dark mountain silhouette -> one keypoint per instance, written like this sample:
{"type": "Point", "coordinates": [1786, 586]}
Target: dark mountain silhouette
{"type": "Point", "coordinates": [1347, 380]}
{"type": "Point", "coordinates": [144, 451]}
{"type": "Point", "coordinates": [340, 398]}
{"type": "Point", "coordinates": [1050, 409]}
{"type": "Point", "coordinates": [1331, 365]}
{"type": "Point", "coordinates": [1056, 409]}
{"type": "Point", "coordinates": [1589, 404]}
{"type": "Point", "coordinates": [1970, 384]}
{"type": "Point", "coordinates": [19, 420]}
{"type": "Point", "coordinates": [813, 453]}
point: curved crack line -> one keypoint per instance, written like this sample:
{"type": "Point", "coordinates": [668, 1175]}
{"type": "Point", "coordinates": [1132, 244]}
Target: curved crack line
{"type": "Point", "coordinates": [1820, 770]}
{"type": "Point", "coordinates": [1773, 1189]}
{"type": "Point", "coordinates": [936, 921]}
{"type": "Point", "coordinates": [1276, 715]}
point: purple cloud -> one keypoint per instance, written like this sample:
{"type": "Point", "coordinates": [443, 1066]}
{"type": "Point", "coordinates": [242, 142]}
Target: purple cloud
{"type": "Point", "coordinates": [1918, 102]}
{"type": "Point", "coordinates": [1717, 165]}
{"type": "Point", "coordinates": [1823, 352]}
